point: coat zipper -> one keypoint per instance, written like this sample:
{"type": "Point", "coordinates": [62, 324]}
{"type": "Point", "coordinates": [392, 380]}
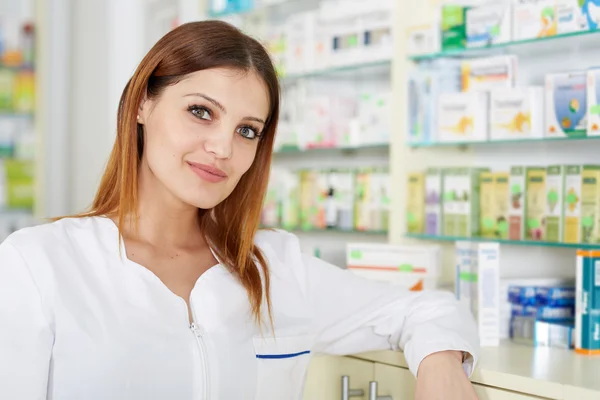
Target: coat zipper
{"type": "Point", "coordinates": [198, 334]}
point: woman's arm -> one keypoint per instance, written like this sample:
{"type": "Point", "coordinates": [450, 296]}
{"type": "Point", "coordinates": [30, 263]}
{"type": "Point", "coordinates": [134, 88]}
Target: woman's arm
{"type": "Point", "coordinates": [25, 335]}
{"type": "Point", "coordinates": [353, 314]}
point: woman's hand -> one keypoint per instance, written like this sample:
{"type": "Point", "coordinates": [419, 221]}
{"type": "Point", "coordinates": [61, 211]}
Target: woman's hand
{"type": "Point", "coordinates": [442, 377]}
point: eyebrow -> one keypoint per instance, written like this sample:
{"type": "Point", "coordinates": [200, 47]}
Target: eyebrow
{"type": "Point", "coordinates": [221, 107]}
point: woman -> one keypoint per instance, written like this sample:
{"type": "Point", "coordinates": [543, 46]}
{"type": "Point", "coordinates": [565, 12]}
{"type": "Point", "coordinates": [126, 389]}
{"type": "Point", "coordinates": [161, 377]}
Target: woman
{"type": "Point", "coordinates": [165, 290]}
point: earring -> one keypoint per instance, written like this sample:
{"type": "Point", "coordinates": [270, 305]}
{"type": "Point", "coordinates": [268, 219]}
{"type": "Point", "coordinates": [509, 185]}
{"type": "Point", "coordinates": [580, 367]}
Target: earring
{"type": "Point", "coordinates": [138, 117]}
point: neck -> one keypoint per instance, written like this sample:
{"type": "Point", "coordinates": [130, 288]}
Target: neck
{"type": "Point", "coordinates": [163, 220]}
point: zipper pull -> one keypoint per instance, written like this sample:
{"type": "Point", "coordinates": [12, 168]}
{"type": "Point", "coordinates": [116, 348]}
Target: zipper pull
{"type": "Point", "coordinates": [197, 330]}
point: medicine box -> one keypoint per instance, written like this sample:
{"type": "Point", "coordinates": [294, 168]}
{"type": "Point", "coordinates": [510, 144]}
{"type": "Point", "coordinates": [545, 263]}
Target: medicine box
{"type": "Point", "coordinates": [313, 190]}
{"type": "Point", "coordinates": [425, 85]}
{"type": "Point", "coordinates": [489, 24]}
{"type": "Point", "coordinates": [415, 203]}
{"type": "Point", "coordinates": [341, 183]}
{"type": "Point", "coordinates": [516, 113]}
{"type": "Point", "coordinates": [555, 189]}
{"type": "Point", "coordinates": [591, 12]}
{"type": "Point", "coordinates": [463, 117]}
{"type": "Point", "coordinates": [590, 204]}
{"type": "Point", "coordinates": [534, 19]}
{"type": "Point", "coordinates": [412, 267]}
{"type": "Point", "coordinates": [572, 204]}
{"type": "Point", "coordinates": [516, 203]}
{"type": "Point", "coordinates": [423, 39]}
{"type": "Point", "coordinates": [566, 104]}
{"type": "Point", "coordinates": [593, 100]}
{"type": "Point", "coordinates": [453, 27]}
{"type": "Point", "coordinates": [433, 201]}
{"type": "Point", "coordinates": [478, 282]}
{"type": "Point", "coordinates": [535, 209]}
{"type": "Point", "coordinates": [487, 202]}
{"type": "Point", "coordinates": [20, 184]}
{"type": "Point", "coordinates": [461, 205]}
{"type": "Point", "coordinates": [587, 314]}
{"type": "Point", "coordinates": [501, 205]}
{"type": "Point", "coordinates": [484, 74]}
{"type": "Point", "coordinates": [570, 16]}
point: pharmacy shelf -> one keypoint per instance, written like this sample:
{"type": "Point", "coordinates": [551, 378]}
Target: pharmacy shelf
{"type": "Point", "coordinates": [296, 151]}
{"type": "Point", "coordinates": [331, 230]}
{"type": "Point", "coordinates": [476, 51]}
{"type": "Point", "coordinates": [500, 142]}
{"type": "Point", "coordinates": [344, 71]}
{"type": "Point", "coordinates": [16, 115]}
{"type": "Point", "coordinates": [506, 242]}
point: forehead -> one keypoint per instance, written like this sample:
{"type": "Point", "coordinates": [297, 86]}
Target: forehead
{"type": "Point", "coordinates": [242, 93]}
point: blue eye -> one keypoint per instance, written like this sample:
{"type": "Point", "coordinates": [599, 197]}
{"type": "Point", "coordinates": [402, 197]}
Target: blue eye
{"type": "Point", "coordinates": [248, 132]}
{"type": "Point", "coordinates": [200, 112]}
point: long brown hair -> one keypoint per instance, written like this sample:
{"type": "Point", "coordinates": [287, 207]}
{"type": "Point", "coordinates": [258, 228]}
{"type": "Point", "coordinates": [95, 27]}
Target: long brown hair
{"type": "Point", "coordinates": [228, 228]}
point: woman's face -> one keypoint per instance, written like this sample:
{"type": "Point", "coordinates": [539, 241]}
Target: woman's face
{"type": "Point", "coordinates": [201, 134]}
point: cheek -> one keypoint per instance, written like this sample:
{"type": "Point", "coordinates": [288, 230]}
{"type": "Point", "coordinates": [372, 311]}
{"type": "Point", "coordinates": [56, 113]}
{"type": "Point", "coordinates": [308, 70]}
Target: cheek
{"type": "Point", "coordinates": [245, 157]}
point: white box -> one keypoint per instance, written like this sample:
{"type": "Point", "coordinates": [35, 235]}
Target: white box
{"type": "Point", "coordinates": [463, 117]}
{"type": "Point", "coordinates": [412, 267]}
{"type": "Point", "coordinates": [517, 113]}
{"type": "Point", "coordinates": [593, 102]}
{"type": "Point", "coordinates": [566, 104]}
{"type": "Point", "coordinates": [570, 17]}
{"type": "Point", "coordinates": [478, 287]}
{"type": "Point", "coordinates": [423, 39]}
{"type": "Point", "coordinates": [534, 19]}
{"type": "Point", "coordinates": [489, 24]}
{"type": "Point", "coordinates": [482, 74]}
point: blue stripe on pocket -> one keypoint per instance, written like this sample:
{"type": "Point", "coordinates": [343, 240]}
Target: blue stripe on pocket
{"type": "Point", "coordinates": [279, 356]}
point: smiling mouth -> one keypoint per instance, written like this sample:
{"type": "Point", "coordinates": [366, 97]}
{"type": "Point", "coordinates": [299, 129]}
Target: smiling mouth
{"type": "Point", "coordinates": [207, 172]}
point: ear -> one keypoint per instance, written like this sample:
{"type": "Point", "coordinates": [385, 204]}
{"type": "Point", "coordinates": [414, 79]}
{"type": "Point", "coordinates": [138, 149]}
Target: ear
{"type": "Point", "coordinates": [143, 111]}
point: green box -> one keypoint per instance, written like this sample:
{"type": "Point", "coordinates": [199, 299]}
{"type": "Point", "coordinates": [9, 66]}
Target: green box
{"type": "Point", "coordinates": [555, 189]}
{"type": "Point", "coordinates": [535, 205]}
{"type": "Point", "coordinates": [461, 205]}
{"type": "Point", "coordinates": [20, 183]}
{"type": "Point", "coordinates": [454, 27]}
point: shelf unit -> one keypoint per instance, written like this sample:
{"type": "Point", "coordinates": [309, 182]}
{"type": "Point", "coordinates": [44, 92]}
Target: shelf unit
{"type": "Point", "coordinates": [331, 150]}
{"type": "Point", "coordinates": [578, 246]}
{"type": "Point", "coordinates": [504, 142]}
{"type": "Point", "coordinates": [330, 231]}
{"type": "Point", "coordinates": [507, 47]}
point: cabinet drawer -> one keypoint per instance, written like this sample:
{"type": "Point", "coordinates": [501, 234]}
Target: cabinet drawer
{"type": "Point", "coordinates": [489, 393]}
{"type": "Point", "coordinates": [395, 381]}
{"type": "Point", "coordinates": [324, 378]}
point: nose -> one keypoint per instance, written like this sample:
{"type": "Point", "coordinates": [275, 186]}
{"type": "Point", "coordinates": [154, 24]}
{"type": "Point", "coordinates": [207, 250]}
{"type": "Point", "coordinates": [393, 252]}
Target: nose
{"type": "Point", "coordinates": [220, 143]}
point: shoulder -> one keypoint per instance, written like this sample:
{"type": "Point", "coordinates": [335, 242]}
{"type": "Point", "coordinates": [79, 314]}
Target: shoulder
{"type": "Point", "coordinates": [278, 245]}
{"type": "Point", "coordinates": [53, 235]}
{"type": "Point", "coordinates": [283, 253]}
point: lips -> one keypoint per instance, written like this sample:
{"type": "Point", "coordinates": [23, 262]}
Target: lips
{"type": "Point", "coordinates": [208, 172]}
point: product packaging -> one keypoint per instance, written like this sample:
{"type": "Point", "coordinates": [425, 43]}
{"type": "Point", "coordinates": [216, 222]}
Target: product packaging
{"type": "Point", "coordinates": [415, 203]}
{"type": "Point", "coordinates": [570, 16]}
{"type": "Point", "coordinates": [535, 210]}
{"type": "Point", "coordinates": [339, 208]}
{"type": "Point", "coordinates": [454, 27]}
{"type": "Point", "coordinates": [461, 205]}
{"type": "Point", "coordinates": [478, 281]}
{"type": "Point", "coordinates": [423, 39]}
{"type": "Point", "coordinates": [593, 99]}
{"type": "Point", "coordinates": [534, 19]}
{"type": "Point", "coordinates": [463, 117]}
{"type": "Point", "coordinates": [313, 192]}
{"type": "Point", "coordinates": [533, 332]}
{"type": "Point", "coordinates": [566, 104]}
{"type": "Point", "coordinates": [516, 203]}
{"type": "Point", "coordinates": [587, 319]}
{"type": "Point", "coordinates": [412, 267]}
{"type": "Point", "coordinates": [19, 183]}
{"type": "Point", "coordinates": [433, 201]}
{"type": "Point", "coordinates": [489, 24]}
{"type": "Point", "coordinates": [572, 204]}
{"type": "Point", "coordinates": [487, 205]}
{"type": "Point", "coordinates": [590, 204]}
{"type": "Point", "coordinates": [484, 74]}
{"type": "Point", "coordinates": [555, 189]}
{"type": "Point", "coordinates": [516, 113]}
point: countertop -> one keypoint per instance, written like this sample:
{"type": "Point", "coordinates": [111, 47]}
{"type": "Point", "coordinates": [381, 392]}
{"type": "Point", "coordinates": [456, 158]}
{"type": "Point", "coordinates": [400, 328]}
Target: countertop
{"type": "Point", "coordinates": [545, 372]}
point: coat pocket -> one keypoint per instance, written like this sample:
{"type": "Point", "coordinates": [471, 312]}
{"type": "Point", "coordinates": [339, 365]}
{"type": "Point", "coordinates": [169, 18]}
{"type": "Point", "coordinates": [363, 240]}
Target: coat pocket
{"type": "Point", "coordinates": [281, 366]}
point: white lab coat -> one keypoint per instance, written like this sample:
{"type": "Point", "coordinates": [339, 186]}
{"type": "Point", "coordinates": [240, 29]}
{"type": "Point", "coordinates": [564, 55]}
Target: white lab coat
{"type": "Point", "coordinates": [79, 321]}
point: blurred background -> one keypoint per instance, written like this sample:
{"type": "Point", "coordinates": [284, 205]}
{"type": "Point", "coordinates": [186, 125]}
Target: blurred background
{"type": "Point", "coordinates": [434, 144]}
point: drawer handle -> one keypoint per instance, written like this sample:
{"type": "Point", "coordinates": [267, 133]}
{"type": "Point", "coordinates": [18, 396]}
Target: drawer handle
{"type": "Point", "coordinates": [347, 393]}
{"type": "Point", "coordinates": [373, 393]}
